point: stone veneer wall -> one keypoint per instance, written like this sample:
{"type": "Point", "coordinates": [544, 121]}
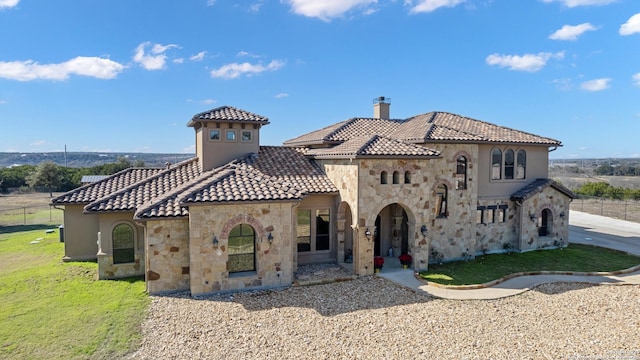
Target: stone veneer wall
{"type": "Point", "coordinates": [558, 203]}
{"type": "Point", "coordinates": [167, 249]}
{"type": "Point", "coordinates": [108, 270]}
{"type": "Point", "coordinates": [491, 237]}
{"type": "Point", "coordinates": [453, 237]}
{"type": "Point", "coordinates": [274, 262]}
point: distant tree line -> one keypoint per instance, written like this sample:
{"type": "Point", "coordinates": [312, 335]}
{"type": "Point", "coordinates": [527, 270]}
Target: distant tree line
{"type": "Point", "coordinates": [604, 190]}
{"type": "Point", "coordinates": [54, 177]}
{"type": "Point", "coordinates": [619, 170]}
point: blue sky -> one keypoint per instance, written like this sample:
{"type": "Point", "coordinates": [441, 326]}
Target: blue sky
{"type": "Point", "coordinates": [126, 76]}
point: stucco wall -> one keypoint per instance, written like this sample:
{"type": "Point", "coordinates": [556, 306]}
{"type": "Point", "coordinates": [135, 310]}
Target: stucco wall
{"type": "Point", "coordinates": [274, 262]}
{"type": "Point", "coordinates": [219, 152]}
{"type": "Point", "coordinates": [80, 234]}
{"type": "Point", "coordinates": [537, 168]}
{"type": "Point", "coordinates": [167, 261]}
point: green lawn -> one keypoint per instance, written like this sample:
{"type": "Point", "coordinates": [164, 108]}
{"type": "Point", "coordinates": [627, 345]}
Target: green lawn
{"type": "Point", "coordinates": [55, 310]}
{"type": "Point", "coordinates": [575, 257]}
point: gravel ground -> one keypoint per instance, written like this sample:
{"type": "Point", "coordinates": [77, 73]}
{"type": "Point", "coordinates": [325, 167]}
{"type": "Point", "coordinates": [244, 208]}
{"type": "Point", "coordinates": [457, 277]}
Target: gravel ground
{"type": "Point", "coordinates": [371, 318]}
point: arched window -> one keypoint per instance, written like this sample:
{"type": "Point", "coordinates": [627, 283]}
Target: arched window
{"type": "Point", "coordinates": [461, 173]}
{"type": "Point", "coordinates": [396, 177]}
{"type": "Point", "coordinates": [242, 249]}
{"type": "Point", "coordinates": [509, 160]}
{"type": "Point", "coordinates": [545, 225]}
{"type": "Point", "coordinates": [521, 171]}
{"type": "Point", "coordinates": [407, 177]}
{"type": "Point", "coordinates": [383, 177]}
{"type": "Point", "coordinates": [441, 200]}
{"type": "Point", "coordinates": [496, 164]}
{"type": "Point", "coordinates": [123, 239]}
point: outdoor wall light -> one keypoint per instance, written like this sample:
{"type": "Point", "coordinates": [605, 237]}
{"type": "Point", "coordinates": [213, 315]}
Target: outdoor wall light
{"type": "Point", "coordinates": [270, 238]}
{"type": "Point", "coordinates": [562, 214]}
{"type": "Point", "coordinates": [215, 242]}
{"type": "Point", "coordinates": [367, 233]}
{"type": "Point", "coordinates": [533, 217]}
{"type": "Point", "coordinates": [424, 231]}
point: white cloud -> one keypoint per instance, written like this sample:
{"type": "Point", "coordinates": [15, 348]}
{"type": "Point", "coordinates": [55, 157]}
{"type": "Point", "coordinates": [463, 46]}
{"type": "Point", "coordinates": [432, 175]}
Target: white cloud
{"type": "Point", "coordinates": [86, 66]}
{"type": "Point", "coordinates": [256, 7]}
{"type": "Point", "coordinates": [178, 60]}
{"type": "Point", "coordinates": [596, 84]}
{"type": "Point", "coordinates": [526, 62]}
{"type": "Point", "coordinates": [243, 53]}
{"type": "Point", "coordinates": [8, 3]}
{"type": "Point", "coordinates": [199, 56]}
{"type": "Point", "coordinates": [431, 5]}
{"type": "Point", "coordinates": [38, 143]}
{"type": "Point", "coordinates": [157, 60]}
{"type": "Point", "coordinates": [235, 70]}
{"type": "Point", "coordinates": [576, 3]}
{"type": "Point", "coordinates": [635, 77]}
{"type": "Point", "coordinates": [326, 9]}
{"type": "Point", "coordinates": [211, 2]}
{"type": "Point", "coordinates": [632, 25]}
{"type": "Point", "coordinates": [281, 95]}
{"type": "Point", "coordinates": [571, 32]}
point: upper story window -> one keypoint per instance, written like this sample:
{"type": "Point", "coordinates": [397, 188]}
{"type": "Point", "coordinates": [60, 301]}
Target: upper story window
{"type": "Point", "coordinates": [461, 173]}
{"type": "Point", "coordinates": [496, 164]}
{"type": "Point", "coordinates": [441, 200]}
{"type": "Point", "coordinates": [508, 164]}
{"type": "Point", "coordinates": [521, 165]}
{"type": "Point", "coordinates": [383, 177]}
{"type": "Point", "coordinates": [511, 166]}
{"type": "Point", "coordinates": [246, 135]}
{"type": "Point", "coordinates": [231, 135]}
{"type": "Point", "coordinates": [396, 177]}
{"type": "Point", "coordinates": [407, 177]}
{"type": "Point", "coordinates": [214, 135]}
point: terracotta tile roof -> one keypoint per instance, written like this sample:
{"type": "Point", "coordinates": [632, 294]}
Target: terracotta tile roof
{"type": "Point", "coordinates": [129, 198]}
{"type": "Point", "coordinates": [346, 130]}
{"type": "Point", "coordinates": [537, 186]}
{"type": "Point", "coordinates": [227, 113]}
{"type": "Point", "coordinates": [276, 173]}
{"type": "Point", "coordinates": [373, 146]}
{"type": "Point", "coordinates": [424, 128]}
{"type": "Point", "coordinates": [451, 127]}
{"type": "Point", "coordinates": [94, 191]}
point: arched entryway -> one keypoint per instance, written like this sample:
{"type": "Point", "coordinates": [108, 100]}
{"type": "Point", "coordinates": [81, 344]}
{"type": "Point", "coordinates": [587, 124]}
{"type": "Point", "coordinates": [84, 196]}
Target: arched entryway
{"type": "Point", "coordinates": [391, 232]}
{"type": "Point", "coordinates": [346, 245]}
{"type": "Point", "coordinates": [545, 226]}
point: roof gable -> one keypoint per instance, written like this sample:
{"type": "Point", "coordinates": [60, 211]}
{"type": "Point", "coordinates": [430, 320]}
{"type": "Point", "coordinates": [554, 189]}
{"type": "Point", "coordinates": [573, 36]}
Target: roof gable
{"type": "Point", "coordinates": [538, 186]}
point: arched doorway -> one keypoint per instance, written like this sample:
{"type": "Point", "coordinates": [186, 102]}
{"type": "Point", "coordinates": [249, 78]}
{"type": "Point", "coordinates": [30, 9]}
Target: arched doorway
{"type": "Point", "coordinates": [391, 231]}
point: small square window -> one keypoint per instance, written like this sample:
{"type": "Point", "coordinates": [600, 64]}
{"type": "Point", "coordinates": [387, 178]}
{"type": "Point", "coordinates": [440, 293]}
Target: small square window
{"type": "Point", "coordinates": [214, 135]}
{"type": "Point", "coordinates": [246, 136]}
{"type": "Point", "coordinates": [231, 135]}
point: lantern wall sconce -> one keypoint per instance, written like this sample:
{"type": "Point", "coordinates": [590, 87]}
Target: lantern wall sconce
{"type": "Point", "coordinates": [215, 242]}
{"type": "Point", "coordinates": [532, 217]}
{"type": "Point", "coordinates": [270, 238]}
{"type": "Point", "coordinates": [367, 233]}
{"type": "Point", "coordinates": [424, 231]}
{"type": "Point", "coordinates": [562, 214]}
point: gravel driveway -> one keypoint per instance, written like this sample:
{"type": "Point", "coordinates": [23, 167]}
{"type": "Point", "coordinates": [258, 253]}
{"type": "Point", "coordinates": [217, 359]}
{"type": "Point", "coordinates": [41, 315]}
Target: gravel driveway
{"type": "Point", "coordinates": [371, 318]}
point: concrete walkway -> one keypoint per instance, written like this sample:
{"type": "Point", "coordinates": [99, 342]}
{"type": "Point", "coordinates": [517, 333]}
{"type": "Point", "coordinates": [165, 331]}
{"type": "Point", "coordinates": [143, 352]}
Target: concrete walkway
{"type": "Point", "coordinates": [584, 229]}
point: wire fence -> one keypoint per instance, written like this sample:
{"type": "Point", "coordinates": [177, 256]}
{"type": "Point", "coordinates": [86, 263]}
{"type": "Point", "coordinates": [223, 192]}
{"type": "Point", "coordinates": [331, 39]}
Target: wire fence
{"type": "Point", "coordinates": [620, 209]}
{"type": "Point", "coordinates": [31, 215]}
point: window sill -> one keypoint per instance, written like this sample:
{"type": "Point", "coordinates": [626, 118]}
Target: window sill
{"type": "Point", "coordinates": [243, 274]}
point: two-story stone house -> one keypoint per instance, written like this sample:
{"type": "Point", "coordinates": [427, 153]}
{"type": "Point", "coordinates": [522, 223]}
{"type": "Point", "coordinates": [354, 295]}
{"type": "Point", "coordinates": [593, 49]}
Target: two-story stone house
{"type": "Point", "coordinates": [438, 186]}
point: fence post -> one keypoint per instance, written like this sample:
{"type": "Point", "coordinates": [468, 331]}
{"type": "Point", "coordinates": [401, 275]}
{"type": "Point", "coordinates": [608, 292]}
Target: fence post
{"type": "Point", "coordinates": [625, 209]}
{"type": "Point", "coordinates": [24, 214]}
{"type": "Point", "coordinates": [601, 206]}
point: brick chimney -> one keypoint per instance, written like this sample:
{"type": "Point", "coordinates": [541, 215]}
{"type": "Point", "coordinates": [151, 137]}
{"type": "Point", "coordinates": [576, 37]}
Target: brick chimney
{"type": "Point", "coordinates": [381, 107]}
